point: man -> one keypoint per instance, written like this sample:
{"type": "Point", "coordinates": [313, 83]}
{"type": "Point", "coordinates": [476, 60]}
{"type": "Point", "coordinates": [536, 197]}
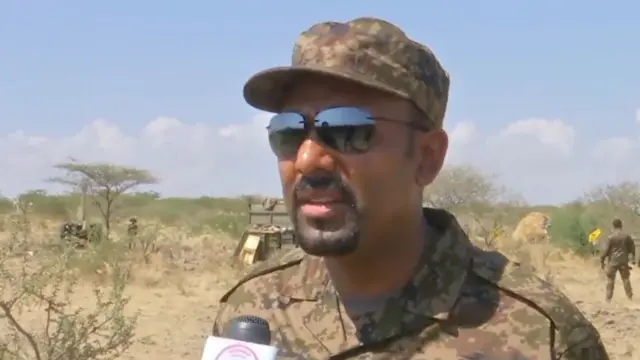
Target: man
{"type": "Point", "coordinates": [619, 249]}
{"type": "Point", "coordinates": [358, 135]}
{"type": "Point", "coordinates": [132, 232]}
{"type": "Point", "coordinates": [132, 228]}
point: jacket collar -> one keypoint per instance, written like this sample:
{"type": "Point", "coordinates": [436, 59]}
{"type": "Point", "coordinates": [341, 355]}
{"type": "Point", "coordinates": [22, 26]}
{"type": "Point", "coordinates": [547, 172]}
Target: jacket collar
{"type": "Point", "coordinates": [432, 292]}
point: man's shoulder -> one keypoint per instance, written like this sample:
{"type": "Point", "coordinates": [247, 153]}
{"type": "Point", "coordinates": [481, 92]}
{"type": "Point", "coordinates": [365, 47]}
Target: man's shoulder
{"type": "Point", "coordinates": [619, 235]}
{"type": "Point", "coordinates": [524, 294]}
{"type": "Point", "coordinates": [264, 276]}
{"type": "Point", "coordinates": [257, 291]}
{"type": "Point", "coordinates": [521, 283]}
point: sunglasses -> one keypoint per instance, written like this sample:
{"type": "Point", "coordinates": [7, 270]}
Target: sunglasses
{"type": "Point", "coordinates": [347, 130]}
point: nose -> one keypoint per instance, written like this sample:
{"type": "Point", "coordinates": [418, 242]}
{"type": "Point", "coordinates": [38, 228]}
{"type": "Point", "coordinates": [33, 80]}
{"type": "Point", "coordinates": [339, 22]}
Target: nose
{"type": "Point", "coordinates": [313, 157]}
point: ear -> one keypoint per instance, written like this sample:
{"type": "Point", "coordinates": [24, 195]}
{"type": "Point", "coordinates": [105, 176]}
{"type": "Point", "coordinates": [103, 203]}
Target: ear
{"type": "Point", "coordinates": [432, 147]}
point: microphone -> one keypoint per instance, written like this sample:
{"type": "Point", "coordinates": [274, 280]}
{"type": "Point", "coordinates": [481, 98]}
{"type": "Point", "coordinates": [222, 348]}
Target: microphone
{"type": "Point", "coordinates": [246, 338]}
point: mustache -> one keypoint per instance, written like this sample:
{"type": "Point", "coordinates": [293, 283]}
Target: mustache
{"type": "Point", "coordinates": [324, 182]}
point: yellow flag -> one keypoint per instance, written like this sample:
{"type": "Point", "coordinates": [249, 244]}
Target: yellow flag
{"type": "Point", "coordinates": [595, 234]}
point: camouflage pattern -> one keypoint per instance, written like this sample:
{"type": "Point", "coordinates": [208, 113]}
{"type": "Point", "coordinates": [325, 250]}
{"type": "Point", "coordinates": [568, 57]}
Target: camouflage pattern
{"type": "Point", "coordinates": [619, 249]}
{"type": "Point", "coordinates": [132, 233]}
{"type": "Point", "coordinates": [132, 228]}
{"type": "Point", "coordinates": [462, 303]}
{"type": "Point", "coordinates": [79, 235]}
{"type": "Point", "coordinates": [369, 51]}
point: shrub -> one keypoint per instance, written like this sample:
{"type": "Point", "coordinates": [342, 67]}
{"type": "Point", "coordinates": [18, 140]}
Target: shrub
{"type": "Point", "coordinates": [570, 228]}
{"type": "Point", "coordinates": [45, 282]}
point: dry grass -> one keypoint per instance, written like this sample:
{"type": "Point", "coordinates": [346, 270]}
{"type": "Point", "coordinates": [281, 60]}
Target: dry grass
{"type": "Point", "coordinates": [581, 279]}
{"type": "Point", "coordinates": [173, 289]}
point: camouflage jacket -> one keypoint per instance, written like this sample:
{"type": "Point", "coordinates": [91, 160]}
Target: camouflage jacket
{"type": "Point", "coordinates": [464, 303]}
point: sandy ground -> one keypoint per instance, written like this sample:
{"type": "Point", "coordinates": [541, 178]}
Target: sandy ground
{"type": "Point", "coordinates": [177, 325]}
{"type": "Point", "coordinates": [173, 325]}
{"type": "Point", "coordinates": [617, 321]}
{"type": "Point", "coordinates": [177, 311]}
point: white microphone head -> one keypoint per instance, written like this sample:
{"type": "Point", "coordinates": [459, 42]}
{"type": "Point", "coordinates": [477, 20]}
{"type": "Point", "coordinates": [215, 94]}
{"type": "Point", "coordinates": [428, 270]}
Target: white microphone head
{"type": "Point", "coordinates": [245, 337]}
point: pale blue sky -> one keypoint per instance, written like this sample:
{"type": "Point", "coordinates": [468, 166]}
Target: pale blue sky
{"type": "Point", "coordinates": [62, 66]}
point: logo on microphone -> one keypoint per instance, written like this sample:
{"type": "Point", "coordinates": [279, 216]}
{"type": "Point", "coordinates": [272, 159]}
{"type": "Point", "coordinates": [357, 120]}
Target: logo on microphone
{"type": "Point", "coordinates": [237, 352]}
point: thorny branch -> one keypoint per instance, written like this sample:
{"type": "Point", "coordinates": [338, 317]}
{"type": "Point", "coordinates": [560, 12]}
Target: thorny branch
{"type": "Point", "coordinates": [6, 309]}
{"type": "Point", "coordinates": [48, 280]}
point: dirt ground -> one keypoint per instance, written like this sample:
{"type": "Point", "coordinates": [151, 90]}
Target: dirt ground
{"type": "Point", "coordinates": [177, 310]}
{"type": "Point", "coordinates": [617, 321]}
{"type": "Point", "coordinates": [176, 325]}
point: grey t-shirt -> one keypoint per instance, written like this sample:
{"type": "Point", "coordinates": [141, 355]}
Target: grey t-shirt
{"type": "Point", "coordinates": [362, 309]}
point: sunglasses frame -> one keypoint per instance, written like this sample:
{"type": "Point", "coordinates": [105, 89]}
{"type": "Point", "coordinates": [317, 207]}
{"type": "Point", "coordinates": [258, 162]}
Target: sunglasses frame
{"type": "Point", "coordinates": [310, 125]}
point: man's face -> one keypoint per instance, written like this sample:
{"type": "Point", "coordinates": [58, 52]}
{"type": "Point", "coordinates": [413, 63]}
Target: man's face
{"type": "Point", "coordinates": [340, 189]}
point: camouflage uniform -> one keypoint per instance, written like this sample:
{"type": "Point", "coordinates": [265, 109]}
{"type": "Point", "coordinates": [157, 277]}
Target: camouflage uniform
{"type": "Point", "coordinates": [462, 303]}
{"type": "Point", "coordinates": [132, 232]}
{"type": "Point", "coordinates": [132, 228]}
{"type": "Point", "coordinates": [618, 250]}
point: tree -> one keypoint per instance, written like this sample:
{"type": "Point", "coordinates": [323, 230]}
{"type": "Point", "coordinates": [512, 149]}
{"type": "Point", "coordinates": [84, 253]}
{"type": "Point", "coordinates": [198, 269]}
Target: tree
{"type": "Point", "coordinates": [624, 196]}
{"type": "Point", "coordinates": [458, 186]}
{"type": "Point", "coordinates": [103, 182]}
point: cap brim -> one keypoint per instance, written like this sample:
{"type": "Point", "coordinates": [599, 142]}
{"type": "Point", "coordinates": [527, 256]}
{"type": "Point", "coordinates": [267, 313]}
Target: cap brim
{"type": "Point", "coordinates": [266, 89]}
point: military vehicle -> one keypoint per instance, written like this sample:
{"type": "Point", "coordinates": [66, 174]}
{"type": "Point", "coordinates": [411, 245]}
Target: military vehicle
{"type": "Point", "coordinates": [269, 231]}
{"type": "Point", "coordinates": [79, 233]}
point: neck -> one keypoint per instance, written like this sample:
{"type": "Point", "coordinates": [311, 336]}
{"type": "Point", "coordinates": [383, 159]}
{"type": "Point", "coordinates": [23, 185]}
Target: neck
{"type": "Point", "coordinates": [384, 269]}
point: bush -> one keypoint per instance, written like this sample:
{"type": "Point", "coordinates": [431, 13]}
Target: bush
{"type": "Point", "coordinates": [570, 228]}
{"type": "Point", "coordinates": [39, 315]}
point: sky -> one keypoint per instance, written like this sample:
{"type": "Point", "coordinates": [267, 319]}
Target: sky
{"type": "Point", "coordinates": [545, 95]}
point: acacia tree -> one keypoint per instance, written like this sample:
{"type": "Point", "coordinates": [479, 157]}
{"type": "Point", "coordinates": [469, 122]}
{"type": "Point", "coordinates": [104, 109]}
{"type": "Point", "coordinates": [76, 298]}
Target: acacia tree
{"type": "Point", "coordinates": [458, 186]}
{"type": "Point", "coordinates": [623, 196]}
{"type": "Point", "coordinates": [473, 194]}
{"type": "Point", "coordinates": [104, 183]}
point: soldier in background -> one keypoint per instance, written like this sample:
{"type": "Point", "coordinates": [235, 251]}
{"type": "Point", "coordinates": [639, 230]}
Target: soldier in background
{"type": "Point", "coordinates": [618, 250]}
{"type": "Point", "coordinates": [132, 231]}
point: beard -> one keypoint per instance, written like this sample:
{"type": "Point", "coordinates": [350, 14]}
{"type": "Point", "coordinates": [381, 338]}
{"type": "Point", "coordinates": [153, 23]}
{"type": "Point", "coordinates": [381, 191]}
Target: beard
{"type": "Point", "coordinates": [335, 236]}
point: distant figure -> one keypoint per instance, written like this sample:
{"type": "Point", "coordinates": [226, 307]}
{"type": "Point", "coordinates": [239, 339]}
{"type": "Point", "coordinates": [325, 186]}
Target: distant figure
{"type": "Point", "coordinates": [618, 250]}
{"type": "Point", "coordinates": [132, 231]}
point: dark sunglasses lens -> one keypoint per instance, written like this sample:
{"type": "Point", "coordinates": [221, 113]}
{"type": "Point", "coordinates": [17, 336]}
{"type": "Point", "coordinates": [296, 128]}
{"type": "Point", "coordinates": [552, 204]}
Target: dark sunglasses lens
{"type": "Point", "coordinates": [286, 133]}
{"type": "Point", "coordinates": [344, 129]}
{"type": "Point", "coordinates": [347, 130]}
{"type": "Point", "coordinates": [286, 121]}
{"type": "Point", "coordinates": [343, 116]}
{"type": "Point", "coordinates": [286, 143]}
{"type": "Point", "coordinates": [347, 139]}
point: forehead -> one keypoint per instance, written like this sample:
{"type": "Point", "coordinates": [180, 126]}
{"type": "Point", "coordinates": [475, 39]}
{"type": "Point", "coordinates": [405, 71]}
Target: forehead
{"type": "Point", "coordinates": [319, 91]}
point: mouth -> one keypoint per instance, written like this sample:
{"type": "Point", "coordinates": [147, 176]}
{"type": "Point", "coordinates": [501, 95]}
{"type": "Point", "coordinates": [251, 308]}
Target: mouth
{"type": "Point", "coordinates": [321, 209]}
{"type": "Point", "coordinates": [320, 204]}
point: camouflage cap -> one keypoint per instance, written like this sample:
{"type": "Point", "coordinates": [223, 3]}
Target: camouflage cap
{"type": "Point", "coordinates": [369, 51]}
